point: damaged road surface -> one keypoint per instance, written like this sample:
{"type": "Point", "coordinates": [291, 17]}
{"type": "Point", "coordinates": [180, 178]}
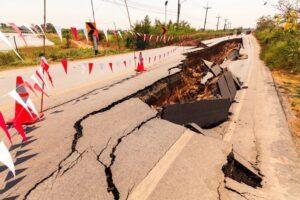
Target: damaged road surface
{"type": "Point", "coordinates": [188, 129]}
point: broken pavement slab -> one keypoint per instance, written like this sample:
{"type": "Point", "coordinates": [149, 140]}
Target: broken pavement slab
{"type": "Point", "coordinates": [191, 173]}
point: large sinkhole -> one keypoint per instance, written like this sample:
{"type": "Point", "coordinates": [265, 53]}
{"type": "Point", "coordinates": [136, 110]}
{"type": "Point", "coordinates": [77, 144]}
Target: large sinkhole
{"type": "Point", "coordinates": [198, 92]}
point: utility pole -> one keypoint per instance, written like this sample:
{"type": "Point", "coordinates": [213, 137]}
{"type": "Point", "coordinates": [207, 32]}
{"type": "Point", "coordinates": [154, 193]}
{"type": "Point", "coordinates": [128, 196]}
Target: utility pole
{"type": "Point", "coordinates": [128, 14]}
{"type": "Point", "coordinates": [206, 12]}
{"type": "Point", "coordinates": [44, 39]}
{"type": "Point", "coordinates": [92, 4]}
{"type": "Point", "coordinates": [44, 52]}
{"type": "Point", "coordinates": [95, 40]}
{"type": "Point", "coordinates": [178, 12]}
{"type": "Point", "coordinates": [225, 24]}
{"type": "Point", "coordinates": [218, 22]}
{"type": "Point", "coordinates": [166, 5]}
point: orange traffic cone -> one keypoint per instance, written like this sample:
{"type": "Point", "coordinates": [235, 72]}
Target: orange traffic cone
{"type": "Point", "coordinates": [140, 67]}
{"type": "Point", "coordinates": [21, 114]}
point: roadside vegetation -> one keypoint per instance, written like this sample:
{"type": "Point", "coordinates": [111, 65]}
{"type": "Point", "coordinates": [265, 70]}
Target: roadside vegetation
{"type": "Point", "coordinates": [279, 37]}
{"type": "Point", "coordinates": [83, 49]}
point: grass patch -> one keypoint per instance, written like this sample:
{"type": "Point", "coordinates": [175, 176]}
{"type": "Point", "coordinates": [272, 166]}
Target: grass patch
{"type": "Point", "coordinates": [280, 49]}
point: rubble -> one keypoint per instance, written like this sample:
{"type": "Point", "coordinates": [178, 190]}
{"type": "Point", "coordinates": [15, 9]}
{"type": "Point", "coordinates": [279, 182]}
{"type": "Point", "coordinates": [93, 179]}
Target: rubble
{"type": "Point", "coordinates": [201, 92]}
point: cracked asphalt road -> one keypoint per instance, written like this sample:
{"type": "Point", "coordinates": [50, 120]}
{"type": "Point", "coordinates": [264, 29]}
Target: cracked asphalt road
{"type": "Point", "coordinates": [109, 145]}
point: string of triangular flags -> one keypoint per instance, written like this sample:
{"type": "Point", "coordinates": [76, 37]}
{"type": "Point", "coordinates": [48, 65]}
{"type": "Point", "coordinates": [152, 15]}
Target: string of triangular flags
{"type": "Point", "coordinates": [38, 30]}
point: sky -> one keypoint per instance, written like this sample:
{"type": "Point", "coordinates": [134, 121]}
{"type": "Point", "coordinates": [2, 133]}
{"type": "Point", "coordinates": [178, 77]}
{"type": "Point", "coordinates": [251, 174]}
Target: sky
{"type": "Point", "coordinates": [67, 13]}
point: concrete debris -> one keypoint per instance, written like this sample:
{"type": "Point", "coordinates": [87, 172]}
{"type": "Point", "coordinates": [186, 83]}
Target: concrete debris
{"type": "Point", "coordinates": [205, 113]}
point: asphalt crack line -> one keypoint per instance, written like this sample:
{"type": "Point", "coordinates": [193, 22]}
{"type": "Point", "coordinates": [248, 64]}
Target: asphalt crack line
{"type": "Point", "coordinates": [78, 127]}
{"type": "Point", "coordinates": [111, 186]}
{"type": "Point", "coordinates": [242, 194]}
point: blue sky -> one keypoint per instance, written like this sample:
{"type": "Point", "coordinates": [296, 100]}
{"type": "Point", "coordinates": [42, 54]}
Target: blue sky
{"type": "Point", "coordinates": [75, 12]}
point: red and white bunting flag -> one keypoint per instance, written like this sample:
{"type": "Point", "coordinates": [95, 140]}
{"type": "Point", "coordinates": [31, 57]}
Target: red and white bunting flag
{"type": "Point", "coordinates": [6, 159]}
{"type": "Point", "coordinates": [145, 37]}
{"type": "Point", "coordinates": [6, 41]}
{"type": "Point", "coordinates": [39, 89]}
{"type": "Point", "coordinates": [64, 63]}
{"type": "Point", "coordinates": [18, 126]}
{"type": "Point", "coordinates": [91, 65]}
{"type": "Point", "coordinates": [27, 85]}
{"type": "Point", "coordinates": [14, 26]}
{"type": "Point", "coordinates": [120, 34]}
{"type": "Point", "coordinates": [4, 127]}
{"type": "Point", "coordinates": [30, 105]}
{"type": "Point", "coordinates": [74, 33]}
{"type": "Point", "coordinates": [101, 66]}
{"type": "Point", "coordinates": [106, 34]}
{"type": "Point", "coordinates": [150, 37]}
{"type": "Point", "coordinates": [111, 66]}
{"type": "Point", "coordinates": [35, 81]}
{"type": "Point", "coordinates": [40, 75]}
{"type": "Point", "coordinates": [18, 99]}
{"type": "Point", "coordinates": [44, 64]}
{"type": "Point", "coordinates": [58, 30]}
{"type": "Point", "coordinates": [157, 38]}
{"type": "Point", "coordinates": [30, 29]}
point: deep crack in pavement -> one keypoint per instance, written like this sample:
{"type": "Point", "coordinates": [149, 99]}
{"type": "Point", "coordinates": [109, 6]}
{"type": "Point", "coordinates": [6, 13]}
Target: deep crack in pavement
{"type": "Point", "coordinates": [79, 133]}
{"type": "Point", "coordinates": [111, 186]}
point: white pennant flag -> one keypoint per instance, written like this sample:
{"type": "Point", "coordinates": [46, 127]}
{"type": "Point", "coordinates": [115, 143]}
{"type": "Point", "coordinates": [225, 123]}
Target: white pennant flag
{"type": "Point", "coordinates": [32, 107]}
{"type": "Point", "coordinates": [106, 34]}
{"type": "Point", "coordinates": [35, 80]}
{"type": "Point", "coordinates": [58, 31]}
{"type": "Point", "coordinates": [42, 30]}
{"type": "Point", "coordinates": [102, 66]}
{"type": "Point", "coordinates": [2, 37]}
{"type": "Point", "coordinates": [30, 29]}
{"type": "Point", "coordinates": [85, 34]}
{"type": "Point", "coordinates": [17, 97]}
{"type": "Point", "coordinates": [120, 34]}
{"type": "Point", "coordinates": [6, 159]}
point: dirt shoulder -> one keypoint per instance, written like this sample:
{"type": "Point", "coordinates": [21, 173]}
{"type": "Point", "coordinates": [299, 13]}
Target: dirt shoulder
{"type": "Point", "coordinates": [288, 87]}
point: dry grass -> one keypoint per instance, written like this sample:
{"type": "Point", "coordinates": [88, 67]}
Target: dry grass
{"type": "Point", "coordinates": [289, 84]}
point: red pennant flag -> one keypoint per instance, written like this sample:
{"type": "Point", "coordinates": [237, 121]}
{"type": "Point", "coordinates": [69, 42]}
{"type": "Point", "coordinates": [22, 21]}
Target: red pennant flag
{"type": "Point", "coordinates": [44, 64]}
{"type": "Point", "coordinates": [27, 85]}
{"type": "Point", "coordinates": [4, 127]}
{"type": "Point", "coordinates": [38, 88]}
{"type": "Point", "coordinates": [75, 33]}
{"type": "Point", "coordinates": [125, 63]}
{"type": "Point", "coordinates": [40, 76]}
{"type": "Point", "coordinates": [91, 67]}
{"type": "Point", "coordinates": [50, 78]}
{"type": "Point", "coordinates": [111, 66]}
{"type": "Point", "coordinates": [18, 126]}
{"type": "Point", "coordinates": [64, 63]}
{"type": "Point", "coordinates": [19, 32]}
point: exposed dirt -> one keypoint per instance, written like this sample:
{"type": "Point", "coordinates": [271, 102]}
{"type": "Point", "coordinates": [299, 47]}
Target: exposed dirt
{"type": "Point", "coordinates": [288, 86]}
{"type": "Point", "coordinates": [186, 86]}
{"type": "Point", "coordinates": [193, 43]}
